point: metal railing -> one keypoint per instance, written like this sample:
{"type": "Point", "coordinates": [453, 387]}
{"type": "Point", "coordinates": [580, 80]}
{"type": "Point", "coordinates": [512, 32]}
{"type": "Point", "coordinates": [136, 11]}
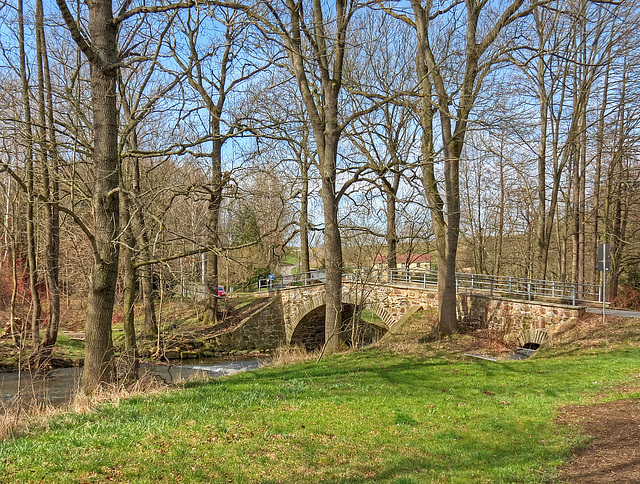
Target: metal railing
{"type": "Point", "coordinates": [493, 286]}
{"type": "Point", "coordinates": [318, 276]}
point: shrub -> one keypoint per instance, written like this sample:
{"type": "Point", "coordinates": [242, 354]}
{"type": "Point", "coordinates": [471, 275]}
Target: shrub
{"type": "Point", "coordinates": [628, 297]}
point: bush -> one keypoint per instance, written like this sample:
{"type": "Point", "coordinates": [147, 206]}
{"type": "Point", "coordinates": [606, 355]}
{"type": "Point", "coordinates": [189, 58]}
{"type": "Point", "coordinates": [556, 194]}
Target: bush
{"type": "Point", "coordinates": [628, 298]}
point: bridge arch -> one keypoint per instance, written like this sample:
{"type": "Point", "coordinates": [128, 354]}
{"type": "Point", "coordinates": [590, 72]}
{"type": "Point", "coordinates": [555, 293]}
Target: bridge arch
{"type": "Point", "coordinates": [308, 324]}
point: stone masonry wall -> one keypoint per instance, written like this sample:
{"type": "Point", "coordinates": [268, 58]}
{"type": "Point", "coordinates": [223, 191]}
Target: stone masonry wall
{"type": "Point", "coordinates": [263, 330]}
{"type": "Point", "coordinates": [392, 302]}
{"type": "Point", "coordinates": [512, 316]}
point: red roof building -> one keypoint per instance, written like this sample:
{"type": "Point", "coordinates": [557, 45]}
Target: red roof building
{"type": "Point", "coordinates": [409, 261]}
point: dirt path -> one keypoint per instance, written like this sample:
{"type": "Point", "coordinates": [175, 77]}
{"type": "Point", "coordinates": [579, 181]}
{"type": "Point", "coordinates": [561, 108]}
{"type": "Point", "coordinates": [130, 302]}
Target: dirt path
{"type": "Point", "coordinates": [614, 453]}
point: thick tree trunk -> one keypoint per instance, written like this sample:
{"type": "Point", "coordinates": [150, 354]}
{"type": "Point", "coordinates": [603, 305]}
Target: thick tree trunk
{"type": "Point", "coordinates": [445, 214]}
{"type": "Point", "coordinates": [99, 365]}
{"type": "Point", "coordinates": [324, 115]}
{"type": "Point", "coordinates": [332, 246]}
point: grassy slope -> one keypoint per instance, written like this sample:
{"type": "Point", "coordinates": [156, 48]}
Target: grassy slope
{"type": "Point", "coordinates": [368, 416]}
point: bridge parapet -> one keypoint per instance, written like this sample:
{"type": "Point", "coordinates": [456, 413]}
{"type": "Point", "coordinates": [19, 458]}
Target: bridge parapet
{"type": "Point", "coordinates": [485, 284]}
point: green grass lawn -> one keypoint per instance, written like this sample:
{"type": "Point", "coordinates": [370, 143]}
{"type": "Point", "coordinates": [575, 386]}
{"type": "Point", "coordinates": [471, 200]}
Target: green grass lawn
{"type": "Point", "coordinates": [362, 417]}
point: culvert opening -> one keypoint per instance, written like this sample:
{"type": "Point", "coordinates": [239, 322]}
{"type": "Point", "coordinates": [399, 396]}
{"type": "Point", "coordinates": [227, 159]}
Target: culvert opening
{"type": "Point", "coordinates": [531, 346]}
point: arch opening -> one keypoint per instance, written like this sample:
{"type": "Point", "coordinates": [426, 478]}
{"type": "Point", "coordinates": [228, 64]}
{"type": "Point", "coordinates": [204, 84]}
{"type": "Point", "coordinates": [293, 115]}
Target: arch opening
{"type": "Point", "coordinates": [357, 330]}
{"type": "Point", "coordinates": [363, 328]}
{"type": "Point", "coordinates": [309, 332]}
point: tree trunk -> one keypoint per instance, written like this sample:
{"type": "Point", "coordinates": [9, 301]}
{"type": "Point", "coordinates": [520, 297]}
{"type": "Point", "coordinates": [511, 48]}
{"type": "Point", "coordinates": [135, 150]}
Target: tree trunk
{"type": "Point", "coordinates": [391, 235]}
{"type": "Point", "coordinates": [542, 233]}
{"type": "Point", "coordinates": [332, 245]}
{"type": "Point", "coordinates": [36, 310]}
{"type": "Point", "coordinates": [49, 162]}
{"type": "Point", "coordinates": [213, 226]}
{"type": "Point", "coordinates": [14, 290]}
{"type": "Point", "coordinates": [127, 253]}
{"type": "Point", "coordinates": [575, 215]}
{"type": "Point", "coordinates": [501, 209]}
{"type": "Point", "coordinates": [305, 265]}
{"type": "Point", "coordinates": [99, 365]}
{"type": "Point", "coordinates": [324, 114]}
{"type": "Point", "coordinates": [145, 273]}
{"type": "Point", "coordinates": [333, 265]}
{"type": "Point", "coordinates": [595, 275]}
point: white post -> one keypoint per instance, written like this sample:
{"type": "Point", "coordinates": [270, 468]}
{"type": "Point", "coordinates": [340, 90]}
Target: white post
{"type": "Point", "coordinates": [604, 293]}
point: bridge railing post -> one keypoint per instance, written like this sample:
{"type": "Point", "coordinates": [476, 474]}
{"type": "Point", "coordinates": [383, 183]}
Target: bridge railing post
{"type": "Point", "coordinates": [491, 288]}
{"type": "Point", "coordinates": [575, 294]}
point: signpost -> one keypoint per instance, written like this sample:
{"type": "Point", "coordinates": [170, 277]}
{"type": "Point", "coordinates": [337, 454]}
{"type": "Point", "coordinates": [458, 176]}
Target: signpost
{"type": "Point", "coordinates": [604, 263]}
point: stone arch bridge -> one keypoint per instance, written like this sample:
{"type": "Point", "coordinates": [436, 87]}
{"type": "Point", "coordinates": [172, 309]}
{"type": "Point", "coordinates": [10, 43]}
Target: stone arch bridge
{"type": "Point", "coordinates": [295, 314]}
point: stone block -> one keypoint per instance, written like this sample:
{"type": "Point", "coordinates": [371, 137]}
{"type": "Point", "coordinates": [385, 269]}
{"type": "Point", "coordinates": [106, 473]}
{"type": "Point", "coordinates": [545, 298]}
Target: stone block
{"type": "Point", "coordinates": [172, 354]}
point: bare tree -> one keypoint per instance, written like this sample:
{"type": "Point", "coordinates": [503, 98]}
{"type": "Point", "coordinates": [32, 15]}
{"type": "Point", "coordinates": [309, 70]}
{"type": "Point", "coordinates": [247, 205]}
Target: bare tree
{"type": "Point", "coordinates": [314, 36]}
{"type": "Point", "coordinates": [101, 50]}
{"type": "Point", "coordinates": [215, 69]}
{"type": "Point", "coordinates": [36, 314]}
{"type": "Point", "coordinates": [451, 92]}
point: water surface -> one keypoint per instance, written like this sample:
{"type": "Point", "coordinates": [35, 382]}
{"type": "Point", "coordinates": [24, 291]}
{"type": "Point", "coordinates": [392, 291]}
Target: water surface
{"type": "Point", "coordinates": [58, 386]}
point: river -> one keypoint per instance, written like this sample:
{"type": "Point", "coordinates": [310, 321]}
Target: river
{"type": "Point", "coordinates": [61, 384]}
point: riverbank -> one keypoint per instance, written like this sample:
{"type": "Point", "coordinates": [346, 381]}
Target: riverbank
{"type": "Point", "coordinates": [59, 386]}
{"type": "Point", "coordinates": [182, 335]}
{"type": "Point", "coordinates": [412, 411]}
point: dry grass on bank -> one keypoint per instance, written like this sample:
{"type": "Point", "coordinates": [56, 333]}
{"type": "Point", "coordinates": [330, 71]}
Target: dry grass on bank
{"type": "Point", "coordinates": [287, 355]}
{"type": "Point", "coordinates": [20, 414]}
